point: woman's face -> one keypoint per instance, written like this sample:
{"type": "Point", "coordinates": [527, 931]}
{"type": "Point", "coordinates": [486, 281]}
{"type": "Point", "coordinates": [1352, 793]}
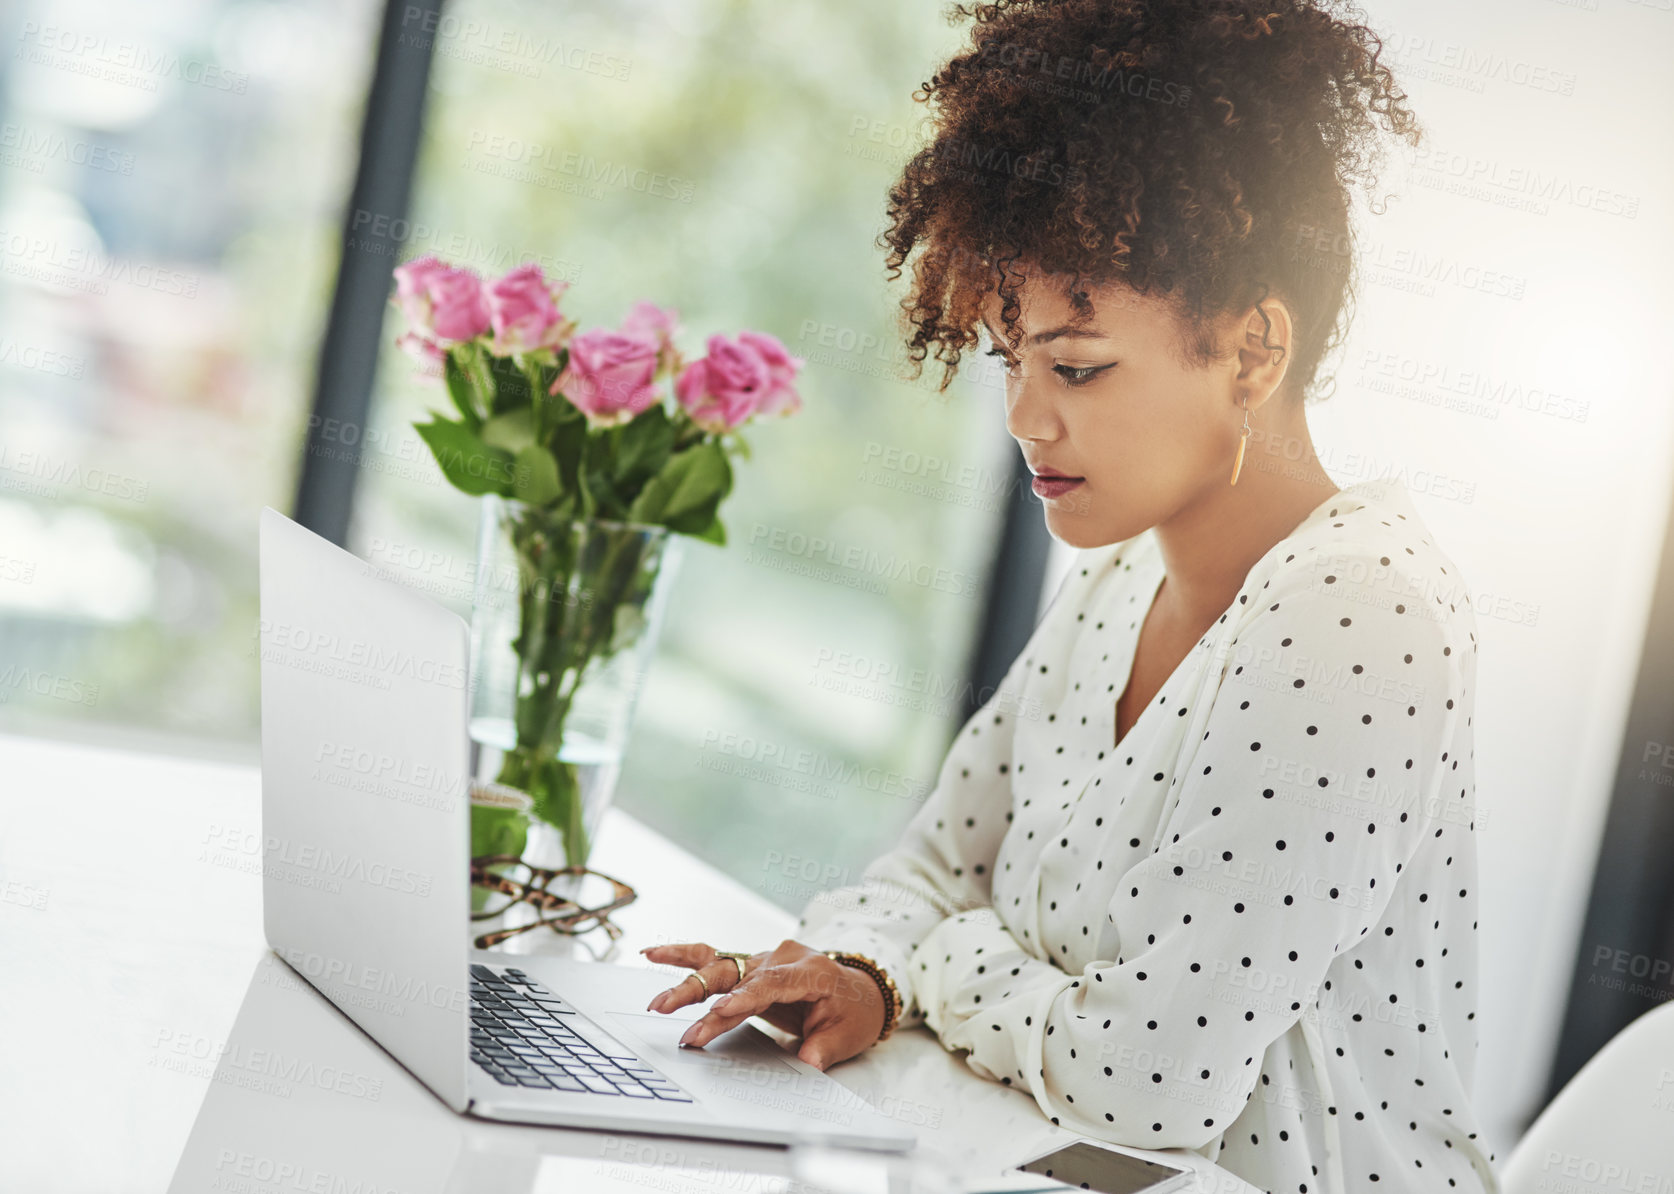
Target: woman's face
{"type": "Point", "coordinates": [1108, 400]}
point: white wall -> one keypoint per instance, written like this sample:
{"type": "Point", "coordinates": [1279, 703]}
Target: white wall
{"type": "Point", "coordinates": [1550, 516]}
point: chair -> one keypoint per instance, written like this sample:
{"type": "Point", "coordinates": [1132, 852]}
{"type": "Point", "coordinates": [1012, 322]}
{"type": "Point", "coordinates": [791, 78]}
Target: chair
{"type": "Point", "coordinates": [1612, 1125]}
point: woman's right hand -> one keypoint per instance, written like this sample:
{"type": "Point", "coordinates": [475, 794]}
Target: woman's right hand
{"type": "Point", "coordinates": [837, 1010]}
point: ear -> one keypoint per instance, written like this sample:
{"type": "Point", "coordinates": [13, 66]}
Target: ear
{"type": "Point", "coordinates": [1264, 351]}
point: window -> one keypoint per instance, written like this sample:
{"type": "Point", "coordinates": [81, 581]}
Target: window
{"type": "Point", "coordinates": [730, 160]}
{"type": "Point", "coordinates": [171, 181]}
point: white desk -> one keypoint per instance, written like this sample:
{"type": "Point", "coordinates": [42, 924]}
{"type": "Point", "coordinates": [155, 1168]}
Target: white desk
{"type": "Point", "coordinates": [131, 941]}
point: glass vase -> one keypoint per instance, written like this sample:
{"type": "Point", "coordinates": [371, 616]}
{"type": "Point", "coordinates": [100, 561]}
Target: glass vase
{"type": "Point", "coordinates": [564, 622]}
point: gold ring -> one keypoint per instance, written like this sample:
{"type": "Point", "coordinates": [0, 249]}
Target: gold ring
{"type": "Point", "coordinates": [737, 958]}
{"type": "Point", "coordinates": [701, 982]}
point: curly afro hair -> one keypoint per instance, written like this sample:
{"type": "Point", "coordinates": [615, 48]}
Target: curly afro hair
{"type": "Point", "coordinates": [1201, 151]}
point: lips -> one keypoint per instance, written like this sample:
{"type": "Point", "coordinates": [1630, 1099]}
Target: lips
{"type": "Point", "coordinates": [1050, 484]}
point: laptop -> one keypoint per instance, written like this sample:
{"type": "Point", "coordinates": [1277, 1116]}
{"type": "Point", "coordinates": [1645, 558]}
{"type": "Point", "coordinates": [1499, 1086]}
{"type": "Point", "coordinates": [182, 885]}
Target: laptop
{"type": "Point", "coordinates": [365, 699]}
{"type": "Point", "coordinates": [296, 1098]}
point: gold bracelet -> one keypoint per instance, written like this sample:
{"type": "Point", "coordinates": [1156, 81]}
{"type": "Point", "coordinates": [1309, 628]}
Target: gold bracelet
{"type": "Point", "coordinates": [891, 993]}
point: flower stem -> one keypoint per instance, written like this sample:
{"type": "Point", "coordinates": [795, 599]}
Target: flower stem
{"type": "Point", "coordinates": [567, 618]}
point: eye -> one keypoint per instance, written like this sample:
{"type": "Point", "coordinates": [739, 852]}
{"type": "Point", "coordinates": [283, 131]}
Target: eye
{"type": "Point", "coordinates": [1074, 376]}
{"type": "Point", "coordinates": [1004, 357]}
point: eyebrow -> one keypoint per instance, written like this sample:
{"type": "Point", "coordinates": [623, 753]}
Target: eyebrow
{"type": "Point", "coordinates": [1066, 332]}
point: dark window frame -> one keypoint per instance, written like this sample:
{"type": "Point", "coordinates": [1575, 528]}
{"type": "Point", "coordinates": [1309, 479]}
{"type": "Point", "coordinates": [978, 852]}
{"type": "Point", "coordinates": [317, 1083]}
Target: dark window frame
{"type": "Point", "coordinates": [1630, 912]}
{"type": "Point", "coordinates": [391, 131]}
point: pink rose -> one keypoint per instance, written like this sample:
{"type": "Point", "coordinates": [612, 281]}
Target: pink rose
{"type": "Point", "coordinates": [739, 378]}
{"type": "Point", "coordinates": [646, 318]}
{"type": "Point", "coordinates": [609, 375]}
{"type": "Point", "coordinates": [409, 284]}
{"type": "Point", "coordinates": [427, 353]}
{"type": "Point", "coordinates": [661, 323]}
{"type": "Point", "coordinates": [412, 298]}
{"type": "Point", "coordinates": [781, 399]}
{"type": "Point", "coordinates": [523, 309]}
{"type": "Point", "coordinates": [441, 302]}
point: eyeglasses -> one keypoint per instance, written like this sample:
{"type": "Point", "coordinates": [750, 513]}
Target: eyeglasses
{"type": "Point", "coordinates": [505, 881]}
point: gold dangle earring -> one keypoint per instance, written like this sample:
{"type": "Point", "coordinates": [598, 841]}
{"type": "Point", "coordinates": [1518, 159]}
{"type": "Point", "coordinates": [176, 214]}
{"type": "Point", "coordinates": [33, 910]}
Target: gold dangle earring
{"type": "Point", "coordinates": [1238, 461]}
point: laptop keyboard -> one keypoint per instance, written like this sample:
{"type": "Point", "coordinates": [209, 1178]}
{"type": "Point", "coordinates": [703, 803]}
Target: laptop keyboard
{"type": "Point", "coordinates": [524, 1035]}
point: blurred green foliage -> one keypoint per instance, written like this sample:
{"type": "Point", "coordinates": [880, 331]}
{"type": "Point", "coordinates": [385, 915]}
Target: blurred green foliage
{"type": "Point", "coordinates": [730, 158]}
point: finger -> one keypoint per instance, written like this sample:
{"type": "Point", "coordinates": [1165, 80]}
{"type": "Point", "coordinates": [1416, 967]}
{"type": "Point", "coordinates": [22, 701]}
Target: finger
{"type": "Point", "coordinates": [711, 1025]}
{"type": "Point", "coordinates": [696, 954]}
{"type": "Point", "coordinates": [743, 968]}
{"type": "Point", "coordinates": [681, 953]}
{"type": "Point", "coordinates": [764, 988]}
{"type": "Point", "coordinates": [717, 976]}
{"type": "Point", "coordinates": [687, 990]}
{"type": "Point", "coordinates": [827, 1043]}
{"type": "Point", "coordinates": [819, 1047]}
{"type": "Point", "coordinates": [787, 1017]}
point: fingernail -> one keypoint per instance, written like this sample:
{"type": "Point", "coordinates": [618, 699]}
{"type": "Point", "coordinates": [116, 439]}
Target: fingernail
{"type": "Point", "coordinates": [689, 1035]}
{"type": "Point", "coordinates": [722, 1003]}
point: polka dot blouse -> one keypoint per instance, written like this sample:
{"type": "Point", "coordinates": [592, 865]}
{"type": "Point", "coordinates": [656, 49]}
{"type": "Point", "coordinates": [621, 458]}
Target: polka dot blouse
{"type": "Point", "coordinates": [1248, 928]}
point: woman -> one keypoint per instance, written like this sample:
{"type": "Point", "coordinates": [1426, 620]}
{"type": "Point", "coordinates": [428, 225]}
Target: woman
{"type": "Point", "coordinates": [1202, 872]}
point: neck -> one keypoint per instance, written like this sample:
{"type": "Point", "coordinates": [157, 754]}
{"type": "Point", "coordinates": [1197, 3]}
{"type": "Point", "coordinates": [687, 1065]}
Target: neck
{"type": "Point", "coordinates": [1210, 544]}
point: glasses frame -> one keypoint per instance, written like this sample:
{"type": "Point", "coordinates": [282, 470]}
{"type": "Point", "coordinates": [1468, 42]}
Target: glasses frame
{"type": "Point", "coordinates": [557, 912]}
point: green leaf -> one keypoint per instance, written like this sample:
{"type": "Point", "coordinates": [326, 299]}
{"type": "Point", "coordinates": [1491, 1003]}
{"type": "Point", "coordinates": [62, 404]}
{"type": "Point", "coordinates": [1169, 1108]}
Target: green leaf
{"type": "Point", "coordinates": [696, 520]}
{"type": "Point", "coordinates": [704, 483]}
{"type": "Point", "coordinates": [551, 370]}
{"type": "Point", "coordinates": [596, 480]}
{"type": "Point", "coordinates": [470, 465]}
{"type": "Point", "coordinates": [536, 475]}
{"type": "Point", "coordinates": [684, 494]}
{"type": "Point", "coordinates": [539, 420]}
{"type": "Point", "coordinates": [459, 389]}
{"type": "Point", "coordinates": [643, 447]}
{"type": "Point", "coordinates": [569, 443]}
{"type": "Point", "coordinates": [511, 385]}
{"type": "Point", "coordinates": [589, 507]}
{"type": "Point", "coordinates": [714, 532]}
{"type": "Point", "coordinates": [513, 431]}
{"type": "Point", "coordinates": [556, 408]}
{"type": "Point", "coordinates": [652, 500]}
{"type": "Point", "coordinates": [475, 364]}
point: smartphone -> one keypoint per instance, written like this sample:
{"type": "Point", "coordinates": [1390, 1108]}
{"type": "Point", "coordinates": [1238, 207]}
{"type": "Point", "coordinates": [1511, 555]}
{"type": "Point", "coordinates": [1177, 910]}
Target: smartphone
{"type": "Point", "coordinates": [1094, 1166]}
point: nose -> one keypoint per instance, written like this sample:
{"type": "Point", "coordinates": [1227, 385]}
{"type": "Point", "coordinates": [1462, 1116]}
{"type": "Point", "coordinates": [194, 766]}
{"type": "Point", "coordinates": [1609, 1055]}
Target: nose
{"type": "Point", "coordinates": [1029, 411]}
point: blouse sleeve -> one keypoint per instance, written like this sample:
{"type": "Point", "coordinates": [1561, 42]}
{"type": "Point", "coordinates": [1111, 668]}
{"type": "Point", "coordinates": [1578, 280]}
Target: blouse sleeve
{"type": "Point", "coordinates": [944, 861]}
{"type": "Point", "coordinates": [1297, 811]}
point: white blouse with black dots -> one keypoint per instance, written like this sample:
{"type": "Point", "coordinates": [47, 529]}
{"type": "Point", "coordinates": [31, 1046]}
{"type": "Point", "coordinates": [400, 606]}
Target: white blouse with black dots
{"type": "Point", "coordinates": [1249, 929]}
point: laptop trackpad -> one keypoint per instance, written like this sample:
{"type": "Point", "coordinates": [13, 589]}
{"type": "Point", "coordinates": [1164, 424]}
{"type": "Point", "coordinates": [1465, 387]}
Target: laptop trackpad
{"type": "Point", "coordinates": [743, 1046]}
{"type": "Point", "coordinates": [745, 1065]}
